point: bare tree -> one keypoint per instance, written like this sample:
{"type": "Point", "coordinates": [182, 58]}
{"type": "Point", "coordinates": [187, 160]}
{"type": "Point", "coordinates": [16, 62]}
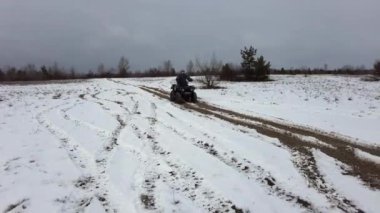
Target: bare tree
{"type": "Point", "coordinates": [190, 68]}
{"type": "Point", "coordinates": [72, 73]}
{"type": "Point", "coordinates": [30, 68]}
{"type": "Point", "coordinates": [123, 67]}
{"type": "Point", "coordinates": [101, 71]}
{"type": "Point", "coordinates": [167, 66]}
{"type": "Point", "coordinates": [55, 70]}
{"type": "Point", "coordinates": [2, 75]}
{"type": "Point", "coordinates": [210, 71]}
{"type": "Point", "coordinates": [376, 67]}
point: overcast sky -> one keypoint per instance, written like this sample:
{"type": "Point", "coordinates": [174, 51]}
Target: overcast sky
{"type": "Point", "coordinates": [289, 33]}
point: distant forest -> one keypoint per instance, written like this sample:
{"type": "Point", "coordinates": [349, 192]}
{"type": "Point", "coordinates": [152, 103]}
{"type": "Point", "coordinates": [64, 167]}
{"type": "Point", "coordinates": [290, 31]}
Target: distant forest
{"type": "Point", "coordinates": [252, 68]}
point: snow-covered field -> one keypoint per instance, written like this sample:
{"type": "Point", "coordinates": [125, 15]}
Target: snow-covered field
{"type": "Point", "coordinates": [110, 145]}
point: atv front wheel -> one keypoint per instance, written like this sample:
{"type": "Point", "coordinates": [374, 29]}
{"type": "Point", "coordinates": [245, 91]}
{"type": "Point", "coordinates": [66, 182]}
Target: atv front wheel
{"type": "Point", "coordinates": [194, 98]}
{"type": "Point", "coordinates": [172, 96]}
{"type": "Point", "coordinates": [178, 98]}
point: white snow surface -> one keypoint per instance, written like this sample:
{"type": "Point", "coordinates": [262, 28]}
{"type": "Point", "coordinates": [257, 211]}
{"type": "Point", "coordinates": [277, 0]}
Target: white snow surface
{"type": "Point", "coordinates": [103, 146]}
{"type": "Point", "coordinates": [367, 156]}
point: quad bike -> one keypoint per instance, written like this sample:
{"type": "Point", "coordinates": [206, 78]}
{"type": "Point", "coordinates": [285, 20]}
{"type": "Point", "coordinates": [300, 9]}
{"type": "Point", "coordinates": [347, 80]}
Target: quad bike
{"type": "Point", "coordinates": [183, 94]}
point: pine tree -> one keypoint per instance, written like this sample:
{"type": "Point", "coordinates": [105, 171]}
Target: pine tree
{"type": "Point", "coordinates": [227, 73]}
{"type": "Point", "coordinates": [45, 72]}
{"type": "Point", "coordinates": [262, 69]}
{"type": "Point", "coordinates": [254, 69]}
{"type": "Point", "coordinates": [248, 63]}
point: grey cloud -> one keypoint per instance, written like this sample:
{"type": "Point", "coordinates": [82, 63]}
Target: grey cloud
{"type": "Point", "coordinates": [289, 33]}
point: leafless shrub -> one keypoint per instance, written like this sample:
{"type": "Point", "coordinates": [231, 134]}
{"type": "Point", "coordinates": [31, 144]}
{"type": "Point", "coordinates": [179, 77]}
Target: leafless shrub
{"type": "Point", "coordinates": [210, 72]}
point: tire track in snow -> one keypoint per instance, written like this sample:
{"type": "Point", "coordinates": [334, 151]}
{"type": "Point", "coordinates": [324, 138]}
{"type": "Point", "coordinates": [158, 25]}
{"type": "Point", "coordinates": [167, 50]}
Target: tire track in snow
{"type": "Point", "coordinates": [81, 159]}
{"type": "Point", "coordinates": [247, 168]}
{"type": "Point", "coordinates": [305, 162]}
{"type": "Point", "coordinates": [147, 197]}
{"type": "Point", "coordinates": [119, 103]}
{"type": "Point", "coordinates": [286, 138]}
{"type": "Point", "coordinates": [181, 179]}
{"type": "Point", "coordinates": [100, 132]}
{"type": "Point", "coordinates": [96, 181]}
{"type": "Point", "coordinates": [151, 176]}
{"type": "Point", "coordinates": [104, 155]}
{"type": "Point", "coordinates": [71, 147]}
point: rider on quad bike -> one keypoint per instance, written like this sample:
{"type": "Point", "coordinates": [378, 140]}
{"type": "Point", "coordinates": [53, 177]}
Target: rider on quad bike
{"type": "Point", "coordinates": [181, 91]}
{"type": "Point", "coordinates": [182, 79]}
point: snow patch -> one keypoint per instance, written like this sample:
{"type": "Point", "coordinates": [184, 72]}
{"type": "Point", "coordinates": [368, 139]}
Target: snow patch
{"type": "Point", "coordinates": [366, 156]}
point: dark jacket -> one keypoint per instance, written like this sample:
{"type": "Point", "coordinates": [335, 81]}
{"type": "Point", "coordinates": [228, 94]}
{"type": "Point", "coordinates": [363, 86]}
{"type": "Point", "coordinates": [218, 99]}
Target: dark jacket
{"type": "Point", "coordinates": [182, 79]}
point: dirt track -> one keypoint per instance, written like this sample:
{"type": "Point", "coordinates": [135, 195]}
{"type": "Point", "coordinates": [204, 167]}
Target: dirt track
{"type": "Point", "coordinates": [293, 137]}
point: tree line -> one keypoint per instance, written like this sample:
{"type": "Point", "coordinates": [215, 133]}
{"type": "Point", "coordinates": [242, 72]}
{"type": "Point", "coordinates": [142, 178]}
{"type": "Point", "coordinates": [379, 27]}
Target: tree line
{"type": "Point", "coordinates": [251, 68]}
{"type": "Point", "coordinates": [55, 72]}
